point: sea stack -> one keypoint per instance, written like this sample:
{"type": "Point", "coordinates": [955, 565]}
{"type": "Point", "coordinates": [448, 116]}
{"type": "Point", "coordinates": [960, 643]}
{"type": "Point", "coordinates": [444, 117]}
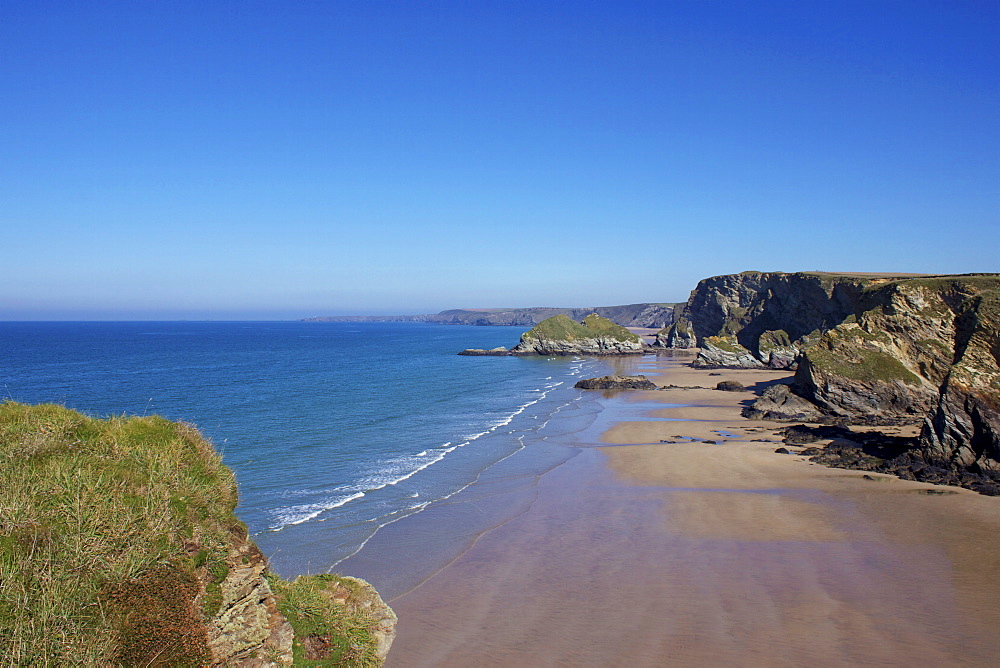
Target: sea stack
{"type": "Point", "coordinates": [559, 335]}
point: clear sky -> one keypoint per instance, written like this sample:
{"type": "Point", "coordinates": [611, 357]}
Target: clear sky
{"type": "Point", "coordinates": [244, 160]}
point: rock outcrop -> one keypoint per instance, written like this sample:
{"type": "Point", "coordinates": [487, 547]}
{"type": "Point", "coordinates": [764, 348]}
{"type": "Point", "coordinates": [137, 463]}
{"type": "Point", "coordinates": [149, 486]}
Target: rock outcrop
{"type": "Point", "coordinates": [893, 455]}
{"type": "Point", "coordinates": [559, 335]}
{"type": "Point", "coordinates": [616, 382]}
{"type": "Point", "coordinates": [760, 319]}
{"type": "Point", "coordinates": [335, 597]}
{"type": "Point", "coordinates": [780, 403]}
{"type": "Point", "coordinates": [248, 627]}
{"type": "Point", "coordinates": [963, 429]}
{"type": "Point", "coordinates": [730, 386]}
{"type": "Point", "coordinates": [891, 359]}
{"type": "Point", "coordinates": [867, 350]}
{"type": "Point", "coordinates": [480, 352]}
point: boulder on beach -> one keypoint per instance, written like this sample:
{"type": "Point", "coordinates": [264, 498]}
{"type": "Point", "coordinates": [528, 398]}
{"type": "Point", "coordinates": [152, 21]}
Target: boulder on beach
{"type": "Point", "coordinates": [779, 402]}
{"type": "Point", "coordinates": [616, 382]}
{"type": "Point", "coordinates": [730, 386]}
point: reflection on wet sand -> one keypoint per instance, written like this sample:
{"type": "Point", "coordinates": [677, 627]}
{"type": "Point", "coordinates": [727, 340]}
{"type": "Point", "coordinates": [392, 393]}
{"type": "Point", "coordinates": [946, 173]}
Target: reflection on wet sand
{"type": "Point", "coordinates": [650, 553]}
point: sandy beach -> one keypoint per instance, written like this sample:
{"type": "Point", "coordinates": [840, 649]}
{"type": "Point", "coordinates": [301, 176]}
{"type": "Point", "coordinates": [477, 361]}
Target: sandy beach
{"type": "Point", "coordinates": [640, 552]}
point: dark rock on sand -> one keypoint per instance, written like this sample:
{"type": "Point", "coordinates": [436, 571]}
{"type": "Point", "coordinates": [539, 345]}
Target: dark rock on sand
{"type": "Point", "coordinates": [730, 386]}
{"type": "Point", "coordinates": [894, 455]}
{"type": "Point", "coordinates": [616, 383]}
{"type": "Point", "coordinates": [780, 403]}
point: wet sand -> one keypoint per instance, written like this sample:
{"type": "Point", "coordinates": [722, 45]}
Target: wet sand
{"type": "Point", "coordinates": [643, 553]}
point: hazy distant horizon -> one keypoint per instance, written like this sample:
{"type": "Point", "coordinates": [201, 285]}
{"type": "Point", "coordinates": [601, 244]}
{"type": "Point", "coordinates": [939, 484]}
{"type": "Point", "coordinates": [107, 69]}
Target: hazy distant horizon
{"type": "Point", "coordinates": [266, 316]}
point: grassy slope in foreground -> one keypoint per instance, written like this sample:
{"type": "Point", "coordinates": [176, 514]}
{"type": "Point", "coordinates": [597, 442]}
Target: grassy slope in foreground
{"type": "Point", "coordinates": [115, 538]}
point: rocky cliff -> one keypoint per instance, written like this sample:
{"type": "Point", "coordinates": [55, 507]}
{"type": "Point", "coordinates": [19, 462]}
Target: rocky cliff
{"type": "Point", "coordinates": [559, 335]}
{"type": "Point", "coordinates": [892, 357]}
{"type": "Point", "coordinates": [870, 349]}
{"type": "Point", "coordinates": [119, 546]}
{"type": "Point", "coordinates": [629, 315]}
{"type": "Point", "coordinates": [758, 319]}
{"type": "Point", "coordinates": [963, 428]}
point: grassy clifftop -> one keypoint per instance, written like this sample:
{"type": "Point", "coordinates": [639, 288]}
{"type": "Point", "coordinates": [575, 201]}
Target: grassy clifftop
{"type": "Point", "coordinates": [118, 546]}
{"type": "Point", "coordinates": [103, 525]}
{"type": "Point", "coordinates": [562, 328]}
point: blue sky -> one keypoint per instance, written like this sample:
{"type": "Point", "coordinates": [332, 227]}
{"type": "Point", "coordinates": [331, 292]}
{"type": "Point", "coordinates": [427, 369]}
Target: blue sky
{"type": "Point", "coordinates": [244, 160]}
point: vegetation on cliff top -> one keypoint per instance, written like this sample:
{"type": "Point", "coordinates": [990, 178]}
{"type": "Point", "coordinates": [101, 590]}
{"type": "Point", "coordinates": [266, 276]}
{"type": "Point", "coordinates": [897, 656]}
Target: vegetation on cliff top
{"type": "Point", "coordinates": [862, 364]}
{"type": "Point", "coordinates": [727, 344]}
{"type": "Point", "coordinates": [102, 526]}
{"type": "Point", "coordinates": [114, 537]}
{"type": "Point", "coordinates": [562, 328]}
{"type": "Point", "coordinates": [332, 618]}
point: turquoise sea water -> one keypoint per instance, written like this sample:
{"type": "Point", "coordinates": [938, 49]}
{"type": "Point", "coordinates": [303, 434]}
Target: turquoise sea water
{"type": "Point", "coordinates": [334, 430]}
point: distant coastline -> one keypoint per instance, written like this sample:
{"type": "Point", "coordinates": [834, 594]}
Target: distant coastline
{"type": "Point", "coordinates": [646, 315]}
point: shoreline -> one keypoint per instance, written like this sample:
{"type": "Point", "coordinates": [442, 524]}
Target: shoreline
{"type": "Point", "coordinates": [636, 552]}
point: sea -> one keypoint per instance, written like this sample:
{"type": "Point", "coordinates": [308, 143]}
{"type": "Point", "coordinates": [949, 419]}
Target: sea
{"type": "Point", "coordinates": [335, 431]}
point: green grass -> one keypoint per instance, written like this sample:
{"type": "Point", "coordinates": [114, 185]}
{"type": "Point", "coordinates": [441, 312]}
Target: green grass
{"type": "Point", "coordinates": [562, 328]}
{"type": "Point", "coordinates": [92, 513]}
{"type": "Point", "coordinates": [115, 536]}
{"type": "Point", "coordinates": [934, 345]}
{"type": "Point", "coordinates": [725, 343]}
{"type": "Point", "coordinates": [971, 282]}
{"type": "Point", "coordinates": [863, 365]}
{"type": "Point", "coordinates": [328, 611]}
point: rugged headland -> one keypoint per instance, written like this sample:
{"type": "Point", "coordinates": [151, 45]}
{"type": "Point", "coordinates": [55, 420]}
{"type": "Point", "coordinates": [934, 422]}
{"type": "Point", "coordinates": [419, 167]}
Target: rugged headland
{"type": "Point", "coordinates": [869, 349]}
{"type": "Point", "coordinates": [630, 315]}
{"type": "Point", "coordinates": [119, 546]}
{"type": "Point", "coordinates": [559, 335]}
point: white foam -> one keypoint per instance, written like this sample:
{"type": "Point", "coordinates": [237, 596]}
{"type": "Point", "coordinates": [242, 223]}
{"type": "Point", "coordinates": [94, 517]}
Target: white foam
{"type": "Point", "coordinates": [303, 513]}
{"type": "Point", "coordinates": [415, 508]}
{"type": "Point", "coordinates": [396, 470]}
{"type": "Point", "coordinates": [293, 515]}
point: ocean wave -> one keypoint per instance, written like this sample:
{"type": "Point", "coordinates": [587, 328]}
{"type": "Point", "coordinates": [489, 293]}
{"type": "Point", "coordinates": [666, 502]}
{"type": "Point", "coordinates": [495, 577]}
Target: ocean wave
{"type": "Point", "coordinates": [397, 515]}
{"type": "Point", "coordinates": [293, 515]}
{"type": "Point", "coordinates": [393, 471]}
{"type": "Point", "coordinates": [411, 509]}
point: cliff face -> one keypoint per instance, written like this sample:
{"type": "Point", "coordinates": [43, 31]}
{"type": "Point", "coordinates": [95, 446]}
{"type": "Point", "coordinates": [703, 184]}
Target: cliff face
{"type": "Point", "coordinates": [757, 319]}
{"type": "Point", "coordinates": [559, 335]}
{"type": "Point", "coordinates": [891, 358]}
{"type": "Point", "coordinates": [963, 428]}
{"type": "Point", "coordinates": [248, 627]}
